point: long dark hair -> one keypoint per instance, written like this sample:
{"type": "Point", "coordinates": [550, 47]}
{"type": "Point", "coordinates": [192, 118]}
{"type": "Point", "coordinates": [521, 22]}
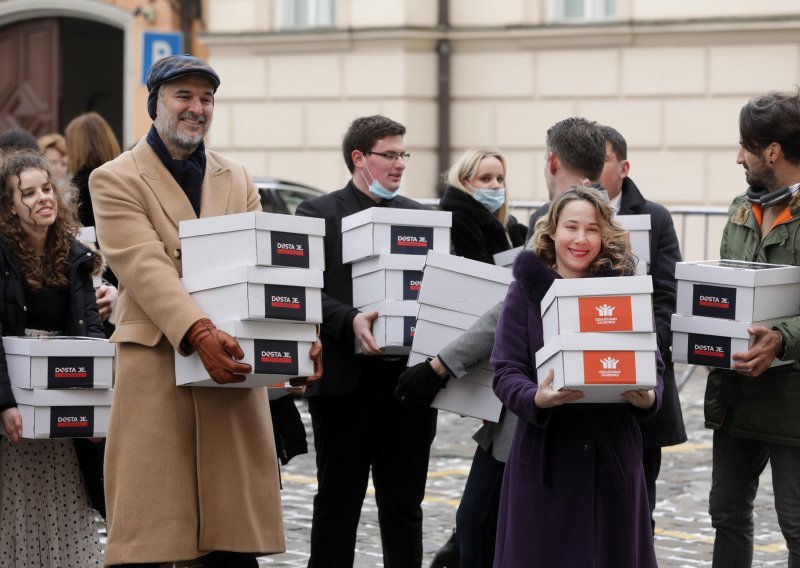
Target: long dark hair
{"type": "Point", "coordinates": [51, 270]}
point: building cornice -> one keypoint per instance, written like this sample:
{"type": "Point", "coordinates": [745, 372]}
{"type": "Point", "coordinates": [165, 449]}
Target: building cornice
{"type": "Point", "coordinates": [604, 34]}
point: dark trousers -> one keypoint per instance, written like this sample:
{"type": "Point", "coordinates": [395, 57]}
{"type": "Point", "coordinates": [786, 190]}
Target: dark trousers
{"type": "Point", "coordinates": [737, 464]}
{"type": "Point", "coordinates": [651, 462]}
{"type": "Point", "coordinates": [476, 518]}
{"type": "Point", "coordinates": [353, 433]}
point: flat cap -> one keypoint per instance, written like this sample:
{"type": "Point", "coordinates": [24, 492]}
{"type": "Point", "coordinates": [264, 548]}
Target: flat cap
{"type": "Point", "coordinates": [174, 67]}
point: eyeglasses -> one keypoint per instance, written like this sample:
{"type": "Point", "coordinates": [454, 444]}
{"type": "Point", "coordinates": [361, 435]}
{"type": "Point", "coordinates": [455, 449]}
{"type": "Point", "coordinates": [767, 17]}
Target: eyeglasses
{"type": "Point", "coordinates": [391, 156]}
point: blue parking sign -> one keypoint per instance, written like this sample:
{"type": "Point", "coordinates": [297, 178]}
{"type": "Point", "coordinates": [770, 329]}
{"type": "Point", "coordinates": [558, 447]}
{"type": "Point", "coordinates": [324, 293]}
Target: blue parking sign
{"type": "Point", "coordinates": [157, 45]}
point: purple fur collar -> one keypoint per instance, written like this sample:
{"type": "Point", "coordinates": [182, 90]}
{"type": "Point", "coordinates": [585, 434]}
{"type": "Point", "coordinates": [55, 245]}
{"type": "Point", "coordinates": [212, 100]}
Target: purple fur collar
{"type": "Point", "coordinates": [532, 275]}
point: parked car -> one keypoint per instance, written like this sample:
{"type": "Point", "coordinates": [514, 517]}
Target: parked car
{"type": "Point", "coordinates": [281, 196]}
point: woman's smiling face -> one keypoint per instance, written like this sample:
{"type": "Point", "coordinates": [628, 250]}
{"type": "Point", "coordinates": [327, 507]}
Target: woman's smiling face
{"type": "Point", "coordinates": [577, 239]}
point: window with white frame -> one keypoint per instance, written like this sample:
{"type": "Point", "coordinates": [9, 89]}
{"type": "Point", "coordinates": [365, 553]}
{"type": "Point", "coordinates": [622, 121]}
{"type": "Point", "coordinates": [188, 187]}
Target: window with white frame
{"type": "Point", "coordinates": [300, 14]}
{"type": "Point", "coordinates": [582, 10]}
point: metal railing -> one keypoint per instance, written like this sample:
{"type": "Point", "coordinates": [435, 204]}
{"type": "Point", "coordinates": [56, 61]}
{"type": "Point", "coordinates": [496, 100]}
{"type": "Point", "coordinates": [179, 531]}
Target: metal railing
{"type": "Point", "coordinates": [690, 222]}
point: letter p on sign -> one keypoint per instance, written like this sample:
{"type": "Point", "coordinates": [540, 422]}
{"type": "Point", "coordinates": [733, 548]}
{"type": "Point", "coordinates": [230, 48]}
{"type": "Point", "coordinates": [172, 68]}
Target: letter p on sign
{"type": "Point", "coordinates": [157, 45]}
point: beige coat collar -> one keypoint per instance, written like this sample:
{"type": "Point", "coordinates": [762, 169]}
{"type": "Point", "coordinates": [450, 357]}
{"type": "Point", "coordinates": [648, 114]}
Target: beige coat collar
{"type": "Point", "coordinates": [214, 193]}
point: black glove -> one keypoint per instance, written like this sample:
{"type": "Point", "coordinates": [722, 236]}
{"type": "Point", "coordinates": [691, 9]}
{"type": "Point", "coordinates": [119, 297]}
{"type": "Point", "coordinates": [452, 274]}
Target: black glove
{"type": "Point", "coordinates": [418, 386]}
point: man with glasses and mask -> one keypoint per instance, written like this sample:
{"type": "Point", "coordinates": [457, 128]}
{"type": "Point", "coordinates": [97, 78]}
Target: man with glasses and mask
{"type": "Point", "coordinates": [753, 408]}
{"type": "Point", "coordinates": [358, 424]}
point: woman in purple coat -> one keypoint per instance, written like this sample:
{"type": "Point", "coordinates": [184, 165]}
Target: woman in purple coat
{"type": "Point", "coordinates": [573, 490]}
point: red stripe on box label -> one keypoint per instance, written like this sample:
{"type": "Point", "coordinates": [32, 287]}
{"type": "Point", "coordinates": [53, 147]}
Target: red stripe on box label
{"type": "Point", "coordinates": [70, 372]}
{"type": "Point", "coordinates": [289, 249]}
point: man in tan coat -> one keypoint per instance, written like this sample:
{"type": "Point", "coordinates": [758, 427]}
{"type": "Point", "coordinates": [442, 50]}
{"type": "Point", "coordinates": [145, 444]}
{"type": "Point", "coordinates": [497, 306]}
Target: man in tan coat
{"type": "Point", "coordinates": [190, 472]}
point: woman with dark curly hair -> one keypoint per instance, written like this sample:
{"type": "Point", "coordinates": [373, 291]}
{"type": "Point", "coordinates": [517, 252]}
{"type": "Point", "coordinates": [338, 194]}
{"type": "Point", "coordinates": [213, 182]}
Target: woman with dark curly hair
{"type": "Point", "coordinates": [573, 489]}
{"type": "Point", "coordinates": [46, 519]}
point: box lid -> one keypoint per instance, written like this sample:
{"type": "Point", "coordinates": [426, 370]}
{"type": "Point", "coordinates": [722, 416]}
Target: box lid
{"type": "Point", "coordinates": [388, 262]}
{"type": "Point", "coordinates": [63, 397]}
{"type": "Point", "coordinates": [60, 346]}
{"type": "Point", "coordinates": [87, 235]}
{"type": "Point", "coordinates": [444, 316]}
{"type": "Point", "coordinates": [469, 267]}
{"type": "Point", "coordinates": [507, 257]}
{"type": "Point", "coordinates": [397, 216]}
{"type": "Point", "coordinates": [254, 329]}
{"type": "Point", "coordinates": [596, 342]}
{"type": "Point", "coordinates": [252, 220]}
{"type": "Point", "coordinates": [393, 308]}
{"type": "Point", "coordinates": [737, 273]}
{"type": "Point", "coordinates": [634, 222]}
{"type": "Point", "coordinates": [609, 286]}
{"type": "Point", "coordinates": [253, 275]}
{"type": "Point", "coordinates": [717, 326]}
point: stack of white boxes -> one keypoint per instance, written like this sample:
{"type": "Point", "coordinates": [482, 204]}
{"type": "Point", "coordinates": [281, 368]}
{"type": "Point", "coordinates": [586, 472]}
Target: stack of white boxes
{"type": "Point", "coordinates": [455, 292]}
{"type": "Point", "coordinates": [258, 276]}
{"type": "Point", "coordinates": [638, 227]}
{"type": "Point", "coordinates": [598, 336]}
{"type": "Point", "coordinates": [62, 385]}
{"type": "Point", "coordinates": [717, 302]}
{"type": "Point", "coordinates": [387, 249]}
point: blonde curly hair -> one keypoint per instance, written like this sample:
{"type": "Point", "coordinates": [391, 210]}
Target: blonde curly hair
{"type": "Point", "coordinates": [615, 245]}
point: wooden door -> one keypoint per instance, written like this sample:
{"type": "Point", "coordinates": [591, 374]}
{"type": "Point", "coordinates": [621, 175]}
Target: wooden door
{"type": "Point", "coordinates": [29, 76]}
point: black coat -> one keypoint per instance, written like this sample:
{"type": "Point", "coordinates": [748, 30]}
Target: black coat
{"type": "Point", "coordinates": [667, 427]}
{"type": "Point", "coordinates": [83, 320]}
{"type": "Point", "coordinates": [343, 368]}
{"type": "Point", "coordinates": [476, 233]}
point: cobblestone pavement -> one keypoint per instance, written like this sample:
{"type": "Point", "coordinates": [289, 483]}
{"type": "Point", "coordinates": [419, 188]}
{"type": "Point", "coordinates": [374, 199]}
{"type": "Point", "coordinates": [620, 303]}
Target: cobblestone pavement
{"type": "Point", "coordinates": [684, 536]}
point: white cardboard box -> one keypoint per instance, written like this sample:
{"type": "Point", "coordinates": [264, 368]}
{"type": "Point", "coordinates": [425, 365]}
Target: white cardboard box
{"type": "Point", "coordinates": [506, 258]}
{"type": "Point", "coordinates": [258, 293]}
{"type": "Point", "coordinates": [438, 327]}
{"type": "Point", "coordinates": [463, 285]}
{"type": "Point", "coordinates": [60, 362]}
{"type": "Point", "coordinates": [471, 395]}
{"type": "Point", "coordinates": [275, 351]}
{"type": "Point", "coordinates": [381, 230]}
{"type": "Point", "coordinates": [613, 304]}
{"type": "Point", "coordinates": [711, 342]}
{"type": "Point", "coordinates": [252, 239]}
{"type": "Point", "coordinates": [395, 277]}
{"type": "Point", "coordinates": [601, 365]}
{"type": "Point", "coordinates": [638, 227]}
{"type": "Point", "coordinates": [737, 290]}
{"type": "Point", "coordinates": [70, 413]}
{"type": "Point", "coordinates": [394, 327]}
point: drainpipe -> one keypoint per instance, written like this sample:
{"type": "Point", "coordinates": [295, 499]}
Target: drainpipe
{"type": "Point", "coordinates": [443, 93]}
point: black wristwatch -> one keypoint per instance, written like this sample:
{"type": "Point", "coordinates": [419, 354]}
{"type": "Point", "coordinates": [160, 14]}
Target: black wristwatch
{"type": "Point", "coordinates": [782, 351]}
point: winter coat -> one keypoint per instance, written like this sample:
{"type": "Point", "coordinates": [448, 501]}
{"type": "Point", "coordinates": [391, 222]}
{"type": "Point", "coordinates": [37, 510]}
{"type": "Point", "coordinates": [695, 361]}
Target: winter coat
{"type": "Point", "coordinates": [765, 408]}
{"type": "Point", "coordinates": [476, 233]}
{"type": "Point", "coordinates": [188, 469]}
{"type": "Point", "coordinates": [83, 320]}
{"type": "Point", "coordinates": [667, 427]}
{"type": "Point", "coordinates": [574, 491]}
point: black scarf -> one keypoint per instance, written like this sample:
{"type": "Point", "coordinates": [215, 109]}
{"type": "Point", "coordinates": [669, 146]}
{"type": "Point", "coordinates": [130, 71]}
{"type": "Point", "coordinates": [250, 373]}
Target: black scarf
{"type": "Point", "coordinates": [188, 173]}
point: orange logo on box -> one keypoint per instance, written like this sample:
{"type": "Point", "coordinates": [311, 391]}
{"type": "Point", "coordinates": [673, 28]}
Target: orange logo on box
{"type": "Point", "coordinates": [609, 313]}
{"type": "Point", "coordinates": [609, 367]}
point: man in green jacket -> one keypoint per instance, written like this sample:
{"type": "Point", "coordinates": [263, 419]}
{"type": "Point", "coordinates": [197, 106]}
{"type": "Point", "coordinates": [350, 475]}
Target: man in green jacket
{"type": "Point", "coordinates": [755, 409]}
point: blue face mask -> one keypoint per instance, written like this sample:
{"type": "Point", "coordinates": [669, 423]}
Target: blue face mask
{"type": "Point", "coordinates": [492, 199]}
{"type": "Point", "coordinates": [377, 189]}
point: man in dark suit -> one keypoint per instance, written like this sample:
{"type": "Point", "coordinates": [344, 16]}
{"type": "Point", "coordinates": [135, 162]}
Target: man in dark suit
{"type": "Point", "coordinates": [358, 424]}
{"type": "Point", "coordinates": [666, 428]}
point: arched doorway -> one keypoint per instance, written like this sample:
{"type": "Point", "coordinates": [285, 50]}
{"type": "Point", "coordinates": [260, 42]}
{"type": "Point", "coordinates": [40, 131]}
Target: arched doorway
{"type": "Point", "coordinates": [53, 69]}
{"type": "Point", "coordinates": [59, 59]}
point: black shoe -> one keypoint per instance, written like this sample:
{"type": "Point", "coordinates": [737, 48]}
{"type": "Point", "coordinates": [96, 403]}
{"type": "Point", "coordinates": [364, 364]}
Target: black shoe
{"type": "Point", "coordinates": [447, 555]}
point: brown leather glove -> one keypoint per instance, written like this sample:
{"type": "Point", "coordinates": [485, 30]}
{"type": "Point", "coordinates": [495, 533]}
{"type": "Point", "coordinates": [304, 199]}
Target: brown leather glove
{"type": "Point", "coordinates": [316, 355]}
{"type": "Point", "coordinates": [217, 351]}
